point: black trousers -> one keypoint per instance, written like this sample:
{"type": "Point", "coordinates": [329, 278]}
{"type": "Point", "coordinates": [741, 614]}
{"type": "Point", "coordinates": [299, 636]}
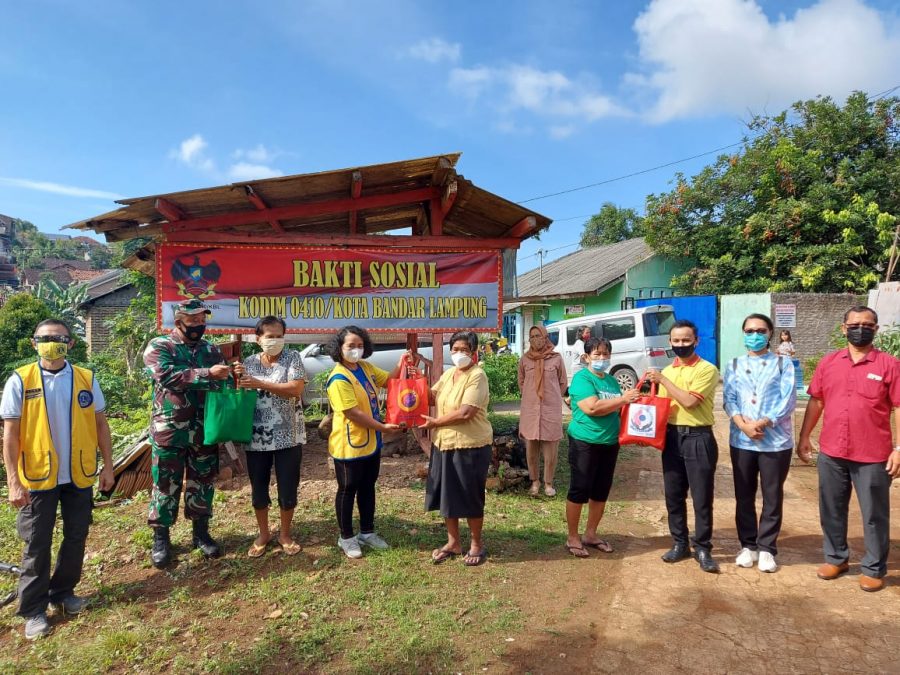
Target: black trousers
{"type": "Point", "coordinates": [767, 471]}
{"type": "Point", "coordinates": [35, 523]}
{"type": "Point", "coordinates": [689, 462]}
{"type": "Point", "coordinates": [356, 482]}
{"type": "Point", "coordinates": [837, 479]}
{"type": "Point", "coordinates": [287, 475]}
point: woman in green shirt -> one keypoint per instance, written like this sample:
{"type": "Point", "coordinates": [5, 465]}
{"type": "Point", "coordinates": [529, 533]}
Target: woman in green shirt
{"type": "Point", "coordinates": [593, 445]}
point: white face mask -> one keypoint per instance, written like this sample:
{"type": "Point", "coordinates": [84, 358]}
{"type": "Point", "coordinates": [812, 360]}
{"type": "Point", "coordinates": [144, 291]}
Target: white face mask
{"type": "Point", "coordinates": [352, 355]}
{"type": "Point", "coordinates": [461, 360]}
{"type": "Point", "coordinates": [272, 346]}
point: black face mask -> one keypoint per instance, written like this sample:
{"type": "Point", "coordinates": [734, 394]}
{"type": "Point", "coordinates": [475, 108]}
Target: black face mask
{"type": "Point", "coordinates": [193, 333]}
{"type": "Point", "coordinates": [860, 337]}
{"type": "Point", "coordinates": [683, 351]}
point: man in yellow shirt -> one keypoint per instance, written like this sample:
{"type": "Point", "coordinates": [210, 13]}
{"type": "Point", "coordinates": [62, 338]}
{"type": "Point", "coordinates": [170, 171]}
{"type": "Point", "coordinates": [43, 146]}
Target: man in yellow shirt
{"type": "Point", "coordinates": [690, 454]}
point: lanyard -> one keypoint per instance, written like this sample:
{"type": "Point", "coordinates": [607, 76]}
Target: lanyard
{"type": "Point", "coordinates": [366, 384]}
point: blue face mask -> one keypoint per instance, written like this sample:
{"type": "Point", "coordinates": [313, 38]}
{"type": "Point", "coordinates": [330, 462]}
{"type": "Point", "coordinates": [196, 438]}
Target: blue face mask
{"type": "Point", "coordinates": [600, 366]}
{"type": "Point", "coordinates": [755, 341]}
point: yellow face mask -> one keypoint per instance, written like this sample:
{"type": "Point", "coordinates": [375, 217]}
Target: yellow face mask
{"type": "Point", "coordinates": [51, 351]}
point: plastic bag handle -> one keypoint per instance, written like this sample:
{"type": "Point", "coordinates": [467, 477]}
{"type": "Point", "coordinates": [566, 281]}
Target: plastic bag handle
{"type": "Point", "coordinates": [653, 385]}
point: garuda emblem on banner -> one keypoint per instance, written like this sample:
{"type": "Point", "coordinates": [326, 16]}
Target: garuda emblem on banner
{"type": "Point", "coordinates": [196, 280]}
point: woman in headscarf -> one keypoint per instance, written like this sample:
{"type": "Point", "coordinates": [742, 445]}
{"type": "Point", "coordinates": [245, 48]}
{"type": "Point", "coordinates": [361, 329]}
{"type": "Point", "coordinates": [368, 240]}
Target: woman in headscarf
{"type": "Point", "coordinates": [542, 380]}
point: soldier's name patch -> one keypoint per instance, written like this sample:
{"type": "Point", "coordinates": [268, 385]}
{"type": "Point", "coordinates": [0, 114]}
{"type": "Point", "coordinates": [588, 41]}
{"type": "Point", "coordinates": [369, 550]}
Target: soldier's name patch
{"type": "Point", "coordinates": [85, 398]}
{"type": "Point", "coordinates": [34, 393]}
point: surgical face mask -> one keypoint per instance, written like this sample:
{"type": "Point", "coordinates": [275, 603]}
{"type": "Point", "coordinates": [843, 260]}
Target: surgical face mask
{"type": "Point", "coordinates": [193, 333]}
{"type": "Point", "coordinates": [536, 341]}
{"type": "Point", "coordinates": [272, 346]}
{"type": "Point", "coordinates": [600, 366]}
{"type": "Point", "coordinates": [51, 351]}
{"type": "Point", "coordinates": [860, 336]}
{"type": "Point", "coordinates": [460, 359]}
{"type": "Point", "coordinates": [755, 341]}
{"type": "Point", "coordinates": [352, 355]}
{"type": "Point", "coordinates": [683, 351]}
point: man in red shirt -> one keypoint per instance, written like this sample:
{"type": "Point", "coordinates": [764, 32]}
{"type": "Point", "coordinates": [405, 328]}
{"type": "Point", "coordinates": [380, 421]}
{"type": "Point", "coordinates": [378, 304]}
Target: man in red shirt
{"type": "Point", "coordinates": [856, 388]}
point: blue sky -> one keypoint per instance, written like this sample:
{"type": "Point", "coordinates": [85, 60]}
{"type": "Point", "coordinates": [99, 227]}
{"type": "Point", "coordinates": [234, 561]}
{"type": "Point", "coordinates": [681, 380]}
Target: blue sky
{"type": "Point", "coordinates": [109, 99]}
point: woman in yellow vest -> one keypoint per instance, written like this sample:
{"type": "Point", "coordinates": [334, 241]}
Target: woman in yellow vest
{"type": "Point", "coordinates": [355, 440]}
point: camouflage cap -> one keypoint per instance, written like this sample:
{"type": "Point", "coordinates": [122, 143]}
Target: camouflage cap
{"type": "Point", "coordinates": [191, 307]}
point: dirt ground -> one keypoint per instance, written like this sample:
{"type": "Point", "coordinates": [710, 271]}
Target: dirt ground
{"type": "Point", "coordinates": [630, 612]}
{"type": "Point", "coordinates": [626, 611]}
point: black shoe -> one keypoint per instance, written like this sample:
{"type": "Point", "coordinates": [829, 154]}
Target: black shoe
{"type": "Point", "coordinates": [203, 541]}
{"type": "Point", "coordinates": [676, 553]}
{"type": "Point", "coordinates": [707, 564]}
{"type": "Point", "coordinates": [161, 553]}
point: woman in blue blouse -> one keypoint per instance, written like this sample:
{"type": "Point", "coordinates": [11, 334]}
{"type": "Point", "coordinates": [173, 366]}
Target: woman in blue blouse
{"type": "Point", "coordinates": [759, 397]}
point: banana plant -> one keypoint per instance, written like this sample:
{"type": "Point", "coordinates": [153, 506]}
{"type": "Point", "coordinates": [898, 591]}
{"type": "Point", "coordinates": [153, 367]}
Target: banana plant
{"type": "Point", "coordinates": [65, 303]}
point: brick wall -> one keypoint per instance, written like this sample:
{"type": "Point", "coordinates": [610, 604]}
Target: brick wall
{"type": "Point", "coordinates": [102, 310]}
{"type": "Point", "coordinates": [817, 316]}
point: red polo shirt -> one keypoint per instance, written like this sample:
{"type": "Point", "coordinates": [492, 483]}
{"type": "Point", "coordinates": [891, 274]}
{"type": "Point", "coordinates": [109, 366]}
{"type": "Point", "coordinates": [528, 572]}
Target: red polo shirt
{"type": "Point", "coordinates": [858, 401]}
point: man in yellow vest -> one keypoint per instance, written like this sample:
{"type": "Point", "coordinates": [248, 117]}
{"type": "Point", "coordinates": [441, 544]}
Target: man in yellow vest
{"type": "Point", "coordinates": [53, 426]}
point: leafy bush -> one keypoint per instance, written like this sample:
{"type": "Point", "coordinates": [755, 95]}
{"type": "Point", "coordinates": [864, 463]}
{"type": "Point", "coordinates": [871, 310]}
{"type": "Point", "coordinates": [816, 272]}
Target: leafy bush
{"type": "Point", "coordinates": [18, 317]}
{"type": "Point", "coordinates": [504, 425]}
{"type": "Point", "coordinates": [888, 340]}
{"type": "Point", "coordinates": [502, 373]}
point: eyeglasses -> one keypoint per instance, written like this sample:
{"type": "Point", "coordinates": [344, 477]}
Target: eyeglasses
{"type": "Point", "coordinates": [854, 326]}
{"type": "Point", "coordinates": [760, 331]}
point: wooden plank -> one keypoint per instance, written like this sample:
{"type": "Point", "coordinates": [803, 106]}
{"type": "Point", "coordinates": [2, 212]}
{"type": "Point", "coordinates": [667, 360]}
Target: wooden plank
{"type": "Point", "coordinates": [300, 210]}
{"type": "Point", "coordinates": [261, 205]}
{"type": "Point", "coordinates": [343, 240]}
{"type": "Point", "coordinates": [170, 210]}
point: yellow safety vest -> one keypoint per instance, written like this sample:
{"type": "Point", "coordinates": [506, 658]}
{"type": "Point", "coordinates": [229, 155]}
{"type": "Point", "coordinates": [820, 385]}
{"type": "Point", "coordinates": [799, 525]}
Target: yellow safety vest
{"type": "Point", "coordinates": [349, 440]}
{"type": "Point", "coordinates": [38, 458]}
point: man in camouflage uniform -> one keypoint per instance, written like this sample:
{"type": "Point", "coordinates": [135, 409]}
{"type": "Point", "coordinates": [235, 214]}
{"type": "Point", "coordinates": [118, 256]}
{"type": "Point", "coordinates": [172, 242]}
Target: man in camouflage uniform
{"type": "Point", "coordinates": [183, 367]}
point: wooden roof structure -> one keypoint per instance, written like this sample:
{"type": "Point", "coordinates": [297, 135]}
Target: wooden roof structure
{"type": "Point", "coordinates": [425, 196]}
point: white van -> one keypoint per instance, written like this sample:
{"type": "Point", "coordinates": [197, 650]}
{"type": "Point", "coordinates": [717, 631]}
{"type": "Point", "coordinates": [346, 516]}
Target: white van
{"type": "Point", "coordinates": [639, 338]}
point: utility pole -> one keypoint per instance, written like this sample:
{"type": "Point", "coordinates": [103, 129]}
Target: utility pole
{"type": "Point", "coordinates": [540, 255]}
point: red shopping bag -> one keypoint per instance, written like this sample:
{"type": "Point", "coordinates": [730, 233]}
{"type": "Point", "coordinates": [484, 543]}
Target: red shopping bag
{"type": "Point", "coordinates": [644, 421]}
{"type": "Point", "coordinates": [407, 398]}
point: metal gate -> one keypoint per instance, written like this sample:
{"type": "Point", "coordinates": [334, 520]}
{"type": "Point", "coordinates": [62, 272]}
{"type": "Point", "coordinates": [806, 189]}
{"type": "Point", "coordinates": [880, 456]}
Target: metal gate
{"type": "Point", "coordinates": [703, 310]}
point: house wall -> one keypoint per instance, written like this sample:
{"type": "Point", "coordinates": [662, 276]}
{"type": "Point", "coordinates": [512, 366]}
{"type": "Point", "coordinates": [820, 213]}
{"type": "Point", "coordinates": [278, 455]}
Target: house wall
{"type": "Point", "coordinates": [609, 300]}
{"type": "Point", "coordinates": [652, 278]}
{"type": "Point", "coordinates": [733, 309]}
{"type": "Point", "coordinates": [818, 315]}
{"type": "Point", "coordinates": [102, 310]}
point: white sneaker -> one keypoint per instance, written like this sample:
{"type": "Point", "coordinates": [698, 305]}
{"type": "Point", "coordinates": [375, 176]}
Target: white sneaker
{"type": "Point", "coordinates": [372, 540]}
{"type": "Point", "coordinates": [767, 562]}
{"type": "Point", "coordinates": [37, 627]}
{"type": "Point", "coordinates": [746, 558]}
{"type": "Point", "coordinates": [350, 547]}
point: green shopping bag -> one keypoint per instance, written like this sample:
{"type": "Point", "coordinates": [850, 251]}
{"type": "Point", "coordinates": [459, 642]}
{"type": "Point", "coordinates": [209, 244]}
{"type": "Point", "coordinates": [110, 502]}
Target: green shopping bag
{"type": "Point", "coordinates": [229, 415]}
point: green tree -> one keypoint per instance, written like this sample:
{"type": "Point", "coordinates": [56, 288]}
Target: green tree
{"type": "Point", "coordinates": [808, 204]}
{"type": "Point", "coordinates": [611, 225]}
{"type": "Point", "coordinates": [18, 317]}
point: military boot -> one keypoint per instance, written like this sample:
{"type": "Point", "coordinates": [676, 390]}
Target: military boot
{"type": "Point", "coordinates": [161, 553]}
{"type": "Point", "coordinates": [203, 541]}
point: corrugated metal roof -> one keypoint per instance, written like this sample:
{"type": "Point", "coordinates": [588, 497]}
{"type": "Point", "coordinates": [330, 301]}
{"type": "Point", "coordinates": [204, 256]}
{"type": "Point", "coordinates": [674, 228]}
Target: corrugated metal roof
{"type": "Point", "coordinates": [583, 272]}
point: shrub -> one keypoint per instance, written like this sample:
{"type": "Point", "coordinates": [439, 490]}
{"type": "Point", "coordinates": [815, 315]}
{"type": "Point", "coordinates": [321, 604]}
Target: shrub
{"type": "Point", "coordinates": [502, 374]}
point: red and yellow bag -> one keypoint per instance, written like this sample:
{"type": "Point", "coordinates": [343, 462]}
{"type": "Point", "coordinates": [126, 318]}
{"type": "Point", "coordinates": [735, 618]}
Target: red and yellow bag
{"type": "Point", "coordinates": [644, 421]}
{"type": "Point", "coordinates": [407, 398]}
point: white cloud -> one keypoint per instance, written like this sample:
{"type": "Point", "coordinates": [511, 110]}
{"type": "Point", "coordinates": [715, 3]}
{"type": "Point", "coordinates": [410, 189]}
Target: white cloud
{"type": "Point", "coordinates": [435, 50]}
{"type": "Point", "coordinates": [59, 189]}
{"type": "Point", "coordinates": [259, 155]}
{"type": "Point", "coordinates": [243, 171]}
{"type": "Point", "coordinates": [546, 93]}
{"type": "Point", "coordinates": [192, 153]}
{"type": "Point", "coordinates": [725, 56]}
{"type": "Point", "coordinates": [560, 131]}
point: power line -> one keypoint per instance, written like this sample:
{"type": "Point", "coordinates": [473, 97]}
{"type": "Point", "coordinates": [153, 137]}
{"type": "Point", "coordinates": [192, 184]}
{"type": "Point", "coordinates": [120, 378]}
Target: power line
{"type": "Point", "coordinates": [631, 175]}
{"type": "Point", "coordinates": [874, 97]}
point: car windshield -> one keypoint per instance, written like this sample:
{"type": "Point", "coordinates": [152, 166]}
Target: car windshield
{"type": "Point", "coordinates": [658, 323]}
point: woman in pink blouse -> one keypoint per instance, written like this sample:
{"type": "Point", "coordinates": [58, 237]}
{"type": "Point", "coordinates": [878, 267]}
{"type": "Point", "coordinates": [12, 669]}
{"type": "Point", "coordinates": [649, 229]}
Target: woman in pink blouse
{"type": "Point", "coordinates": [542, 380]}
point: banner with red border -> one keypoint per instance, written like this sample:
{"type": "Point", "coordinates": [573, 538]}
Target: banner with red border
{"type": "Point", "coordinates": [322, 289]}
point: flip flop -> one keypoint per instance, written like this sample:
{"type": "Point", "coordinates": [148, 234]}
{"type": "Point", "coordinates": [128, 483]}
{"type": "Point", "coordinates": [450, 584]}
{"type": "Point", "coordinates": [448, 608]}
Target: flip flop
{"type": "Point", "coordinates": [442, 555]}
{"type": "Point", "coordinates": [578, 551]}
{"type": "Point", "coordinates": [474, 560]}
{"type": "Point", "coordinates": [600, 545]}
{"type": "Point", "coordinates": [291, 549]}
{"type": "Point", "coordinates": [257, 550]}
